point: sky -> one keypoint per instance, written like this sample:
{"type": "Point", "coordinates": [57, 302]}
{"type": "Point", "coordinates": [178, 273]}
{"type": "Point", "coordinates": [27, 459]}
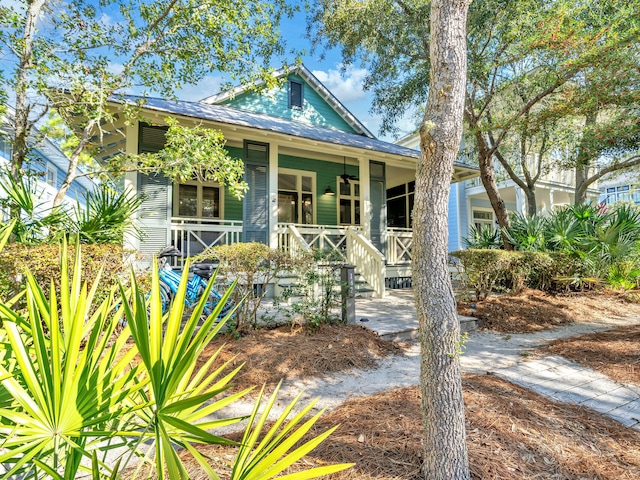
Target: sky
{"type": "Point", "coordinates": [327, 67]}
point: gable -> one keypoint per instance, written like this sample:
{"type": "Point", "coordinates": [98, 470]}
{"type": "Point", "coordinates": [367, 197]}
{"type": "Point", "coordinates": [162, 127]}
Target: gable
{"type": "Point", "coordinates": [278, 102]}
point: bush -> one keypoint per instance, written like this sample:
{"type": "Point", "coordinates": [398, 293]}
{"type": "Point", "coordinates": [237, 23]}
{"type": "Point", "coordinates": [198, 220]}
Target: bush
{"type": "Point", "coordinates": [254, 266]}
{"type": "Point", "coordinates": [43, 262]}
{"type": "Point", "coordinates": [493, 270]}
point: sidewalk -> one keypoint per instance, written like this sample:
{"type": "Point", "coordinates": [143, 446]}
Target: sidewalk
{"type": "Point", "coordinates": [486, 352]}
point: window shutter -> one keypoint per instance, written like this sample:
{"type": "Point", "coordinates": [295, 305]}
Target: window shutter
{"type": "Point", "coordinates": [154, 213]}
{"type": "Point", "coordinates": [295, 95]}
{"type": "Point", "coordinates": [255, 218]}
{"type": "Point", "coordinates": [151, 139]}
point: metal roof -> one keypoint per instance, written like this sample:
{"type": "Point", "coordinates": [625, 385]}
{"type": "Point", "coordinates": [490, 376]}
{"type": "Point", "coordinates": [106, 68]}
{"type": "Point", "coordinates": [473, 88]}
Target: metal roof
{"type": "Point", "coordinates": [235, 116]}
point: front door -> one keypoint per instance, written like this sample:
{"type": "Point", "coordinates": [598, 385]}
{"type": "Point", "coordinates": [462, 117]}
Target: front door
{"type": "Point", "coordinates": [255, 211]}
{"type": "Point", "coordinates": [378, 206]}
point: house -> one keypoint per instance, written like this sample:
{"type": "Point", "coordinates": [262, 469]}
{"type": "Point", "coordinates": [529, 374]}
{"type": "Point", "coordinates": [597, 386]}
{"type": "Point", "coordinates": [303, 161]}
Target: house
{"type": "Point", "coordinates": [469, 203]}
{"type": "Point", "coordinates": [318, 178]}
{"type": "Point", "coordinates": [620, 188]}
{"type": "Point", "coordinates": [50, 165]}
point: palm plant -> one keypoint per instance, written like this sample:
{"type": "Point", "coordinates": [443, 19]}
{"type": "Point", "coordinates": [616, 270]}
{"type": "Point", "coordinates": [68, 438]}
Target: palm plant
{"type": "Point", "coordinates": [107, 215]}
{"type": "Point", "coordinates": [70, 393]}
{"type": "Point", "coordinates": [483, 237]}
{"type": "Point", "coordinates": [527, 233]}
{"type": "Point", "coordinates": [35, 222]}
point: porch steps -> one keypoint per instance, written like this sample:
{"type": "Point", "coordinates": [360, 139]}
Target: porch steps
{"type": "Point", "coordinates": [289, 284]}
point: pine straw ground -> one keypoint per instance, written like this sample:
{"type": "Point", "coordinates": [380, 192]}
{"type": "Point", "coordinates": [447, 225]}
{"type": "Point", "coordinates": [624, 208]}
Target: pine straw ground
{"type": "Point", "coordinates": [512, 432]}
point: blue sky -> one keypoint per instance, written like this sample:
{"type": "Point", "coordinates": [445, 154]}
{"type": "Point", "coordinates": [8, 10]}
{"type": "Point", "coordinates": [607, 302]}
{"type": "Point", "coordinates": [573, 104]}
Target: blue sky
{"type": "Point", "coordinates": [326, 66]}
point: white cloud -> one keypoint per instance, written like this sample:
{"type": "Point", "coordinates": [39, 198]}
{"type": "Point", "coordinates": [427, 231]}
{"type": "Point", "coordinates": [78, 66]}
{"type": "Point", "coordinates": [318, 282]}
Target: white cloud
{"type": "Point", "coordinates": [346, 87]}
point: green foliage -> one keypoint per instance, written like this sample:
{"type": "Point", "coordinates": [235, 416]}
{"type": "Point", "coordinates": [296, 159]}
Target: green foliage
{"type": "Point", "coordinates": [43, 263]}
{"type": "Point", "coordinates": [71, 392]}
{"type": "Point", "coordinates": [194, 153]}
{"type": "Point", "coordinates": [483, 237]}
{"type": "Point", "coordinates": [107, 216]}
{"type": "Point", "coordinates": [253, 266]}
{"type": "Point", "coordinates": [317, 293]}
{"type": "Point", "coordinates": [527, 233]}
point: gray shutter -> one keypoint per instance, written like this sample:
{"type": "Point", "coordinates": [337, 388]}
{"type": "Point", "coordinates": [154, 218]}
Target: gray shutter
{"type": "Point", "coordinates": [378, 206]}
{"type": "Point", "coordinates": [255, 218]}
{"type": "Point", "coordinates": [155, 212]}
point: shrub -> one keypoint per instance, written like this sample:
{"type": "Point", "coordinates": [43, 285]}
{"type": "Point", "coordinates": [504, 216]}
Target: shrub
{"type": "Point", "coordinates": [492, 270]}
{"type": "Point", "coordinates": [254, 266]}
{"type": "Point", "coordinates": [43, 262]}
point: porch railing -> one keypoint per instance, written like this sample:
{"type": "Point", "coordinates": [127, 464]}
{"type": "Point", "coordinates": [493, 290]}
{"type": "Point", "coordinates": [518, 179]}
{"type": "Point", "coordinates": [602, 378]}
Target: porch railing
{"type": "Point", "coordinates": [320, 237]}
{"type": "Point", "coordinates": [368, 259]}
{"type": "Point", "coordinates": [193, 236]}
{"type": "Point", "coordinates": [291, 240]}
{"type": "Point", "coordinates": [400, 244]}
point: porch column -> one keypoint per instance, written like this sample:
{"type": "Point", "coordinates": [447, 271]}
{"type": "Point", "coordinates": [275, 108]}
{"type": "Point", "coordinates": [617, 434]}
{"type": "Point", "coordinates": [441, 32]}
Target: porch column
{"type": "Point", "coordinates": [365, 196]}
{"type": "Point", "coordinates": [521, 206]}
{"type": "Point", "coordinates": [552, 203]}
{"type": "Point", "coordinates": [131, 242]}
{"type": "Point", "coordinates": [273, 194]}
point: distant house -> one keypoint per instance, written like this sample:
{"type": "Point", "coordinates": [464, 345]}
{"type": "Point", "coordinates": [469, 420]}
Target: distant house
{"type": "Point", "coordinates": [318, 178]}
{"type": "Point", "coordinates": [50, 163]}
{"type": "Point", "coordinates": [469, 203]}
{"type": "Point", "coordinates": [620, 188]}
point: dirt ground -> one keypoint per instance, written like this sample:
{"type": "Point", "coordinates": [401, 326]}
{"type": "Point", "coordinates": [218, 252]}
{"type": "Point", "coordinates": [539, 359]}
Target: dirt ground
{"type": "Point", "coordinates": [512, 432]}
{"type": "Point", "coordinates": [533, 310]}
{"type": "Point", "coordinates": [614, 353]}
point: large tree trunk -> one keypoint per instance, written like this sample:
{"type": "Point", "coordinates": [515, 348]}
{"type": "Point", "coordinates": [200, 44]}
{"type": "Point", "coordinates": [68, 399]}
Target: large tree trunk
{"type": "Point", "coordinates": [442, 404]}
{"type": "Point", "coordinates": [532, 208]}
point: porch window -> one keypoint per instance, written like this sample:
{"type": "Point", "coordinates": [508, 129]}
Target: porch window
{"type": "Point", "coordinates": [197, 200]}
{"type": "Point", "coordinates": [51, 175]}
{"type": "Point", "coordinates": [482, 219]}
{"type": "Point", "coordinates": [348, 202]}
{"type": "Point", "coordinates": [296, 196]}
{"type": "Point", "coordinates": [400, 201]}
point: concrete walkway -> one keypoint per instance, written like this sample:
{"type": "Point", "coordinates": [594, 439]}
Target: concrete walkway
{"type": "Point", "coordinates": [504, 355]}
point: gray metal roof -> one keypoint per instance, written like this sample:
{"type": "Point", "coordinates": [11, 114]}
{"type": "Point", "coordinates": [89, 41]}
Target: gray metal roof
{"type": "Point", "coordinates": [235, 116]}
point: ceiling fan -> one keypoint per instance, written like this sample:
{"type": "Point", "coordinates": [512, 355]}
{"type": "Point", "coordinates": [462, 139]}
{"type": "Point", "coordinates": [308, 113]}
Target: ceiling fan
{"type": "Point", "coordinates": [345, 177]}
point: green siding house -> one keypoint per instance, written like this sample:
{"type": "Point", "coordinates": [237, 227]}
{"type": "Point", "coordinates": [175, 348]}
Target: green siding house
{"type": "Point", "coordinates": [317, 178]}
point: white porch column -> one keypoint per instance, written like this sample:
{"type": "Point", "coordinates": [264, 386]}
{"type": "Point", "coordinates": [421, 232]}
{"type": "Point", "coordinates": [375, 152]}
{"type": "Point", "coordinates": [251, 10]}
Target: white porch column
{"type": "Point", "coordinates": [131, 181]}
{"type": "Point", "coordinates": [521, 203]}
{"type": "Point", "coordinates": [365, 196]}
{"type": "Point", "coordinates": [552, 204]}
{"type": "Point", "coordinates": [273, 194]}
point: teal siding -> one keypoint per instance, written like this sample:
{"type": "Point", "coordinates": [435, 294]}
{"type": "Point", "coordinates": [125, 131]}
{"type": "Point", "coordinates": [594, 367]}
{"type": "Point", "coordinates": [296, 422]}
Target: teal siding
{"type": "Point", "coordinates": [316, 110]}
{"type": "Point", "coordinates": [326, 173]}
{"type": "Point", "coordinates": [232, 206]}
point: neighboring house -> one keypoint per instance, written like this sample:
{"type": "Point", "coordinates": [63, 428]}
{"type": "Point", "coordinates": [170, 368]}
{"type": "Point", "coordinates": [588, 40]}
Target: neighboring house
{"type": "Point", "coordinates": [50, 163]}
{"type": "Point", "coordinates": [469, 203]}
{"type": "Point", "coordinates": [620, 188]}
{"type": "Point", "coordinates": [317, 177]}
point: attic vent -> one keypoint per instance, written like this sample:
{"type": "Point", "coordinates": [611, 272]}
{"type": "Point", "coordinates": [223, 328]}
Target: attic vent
{"type": "Point", "coordinates": [295, 95]}
{"type": "Point", "coordinates": [151, 139]}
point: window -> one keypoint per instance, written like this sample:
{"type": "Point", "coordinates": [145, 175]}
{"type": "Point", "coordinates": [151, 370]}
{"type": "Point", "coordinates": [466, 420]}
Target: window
{"type": "Point", "coordinates": [623, 193]}
{"type": "Point", "coordinates": [400, 205]}
{"type": "Point", "coordinates": [51, 175]}
{"type": "Point", "coordinates": [483, 219]}
{"type": "Point", "coordinates": [348, 202]}
{"type": "Point", "coordinates": [197, 200]}
{"type": "Point", "coordinates": [296, 96]}
{"type": "Point", "coordinates": [295, 196]}
{"type": "Point", "coordinates": [5, 147]}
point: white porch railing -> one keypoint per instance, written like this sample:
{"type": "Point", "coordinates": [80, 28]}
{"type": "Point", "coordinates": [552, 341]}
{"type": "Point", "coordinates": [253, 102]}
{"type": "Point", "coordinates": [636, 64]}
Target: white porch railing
{"type": "Point", "coordinates": [399, 245]}
{"type": "Point", "coordinates": [320, 237]}
{"type": "Point", "coordinates": [290, 240]}
{"type": "Point", "coordinates": [368, 259]}
{"type": "Point", "coordinates": [193, 236]}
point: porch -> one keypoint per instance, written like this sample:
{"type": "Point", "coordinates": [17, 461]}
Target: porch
{"type": "Point", "coordinates": [390, 268]}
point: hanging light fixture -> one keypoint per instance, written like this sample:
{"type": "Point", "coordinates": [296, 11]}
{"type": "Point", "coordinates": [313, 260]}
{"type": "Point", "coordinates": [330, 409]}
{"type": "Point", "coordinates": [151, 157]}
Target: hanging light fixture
{"type": "Point", "coordinates": [329, 190]}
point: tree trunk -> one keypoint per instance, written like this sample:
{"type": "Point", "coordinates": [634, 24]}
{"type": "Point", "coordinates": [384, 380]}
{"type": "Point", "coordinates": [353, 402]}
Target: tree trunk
{"type": "Point", "coordinates": [74, 160]}
{"type": "Point", "coordinates": [532, 208]}
{"type": "Point", "coordinates": [580, 194]}
{"type": "Point", "coordinates": [445, 454]}
{"type": "Point", "coordinates": [488, 177]}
